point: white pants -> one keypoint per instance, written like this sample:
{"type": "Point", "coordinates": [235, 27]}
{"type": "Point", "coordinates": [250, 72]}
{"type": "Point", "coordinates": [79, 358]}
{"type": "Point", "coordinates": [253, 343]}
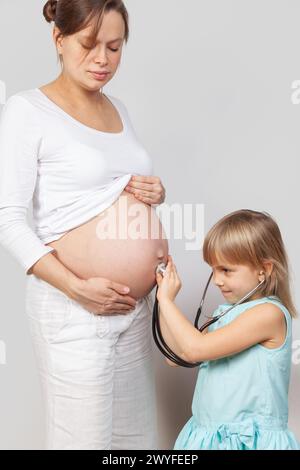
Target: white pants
{"type": "Point", "coordinates": [96, 372]}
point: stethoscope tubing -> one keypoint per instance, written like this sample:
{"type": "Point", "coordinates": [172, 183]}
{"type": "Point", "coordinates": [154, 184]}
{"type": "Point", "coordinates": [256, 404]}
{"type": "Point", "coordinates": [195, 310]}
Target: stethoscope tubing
{"type": "Point", "coordinates": [157, 333]}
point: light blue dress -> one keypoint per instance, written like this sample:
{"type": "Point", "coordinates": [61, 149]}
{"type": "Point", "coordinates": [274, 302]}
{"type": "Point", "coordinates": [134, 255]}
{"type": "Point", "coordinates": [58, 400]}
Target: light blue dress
{"type": "Point", "coordinates": [241, 402]}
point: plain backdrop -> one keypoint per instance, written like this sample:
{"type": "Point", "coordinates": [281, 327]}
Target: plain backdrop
{"type": "Point", "coordinates": [208, 87]}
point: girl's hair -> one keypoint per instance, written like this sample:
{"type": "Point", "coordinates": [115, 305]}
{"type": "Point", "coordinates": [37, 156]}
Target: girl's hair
{"type": "Point", "coordinates": [252, 238]}
{"type": "Point", "coordinates": [71, 16]}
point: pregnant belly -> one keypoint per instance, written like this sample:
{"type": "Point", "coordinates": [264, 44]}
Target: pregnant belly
{"type": "Point", "coordinates": [125, 243]}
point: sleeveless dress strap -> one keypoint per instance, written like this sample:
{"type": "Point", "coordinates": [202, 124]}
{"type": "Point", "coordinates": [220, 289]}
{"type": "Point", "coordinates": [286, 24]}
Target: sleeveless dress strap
{"type": "Point", "coordinates": [276, 301]}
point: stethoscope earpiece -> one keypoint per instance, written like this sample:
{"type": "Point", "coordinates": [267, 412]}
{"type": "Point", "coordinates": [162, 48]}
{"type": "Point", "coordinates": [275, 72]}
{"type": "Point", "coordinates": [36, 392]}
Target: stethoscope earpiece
{"type": "Point", "coordinates": [262, 273]}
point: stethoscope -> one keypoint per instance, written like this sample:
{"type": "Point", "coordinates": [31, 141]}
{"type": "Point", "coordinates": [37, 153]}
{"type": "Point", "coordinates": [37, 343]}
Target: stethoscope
{"type": "Point", "coordinates": [157, 334]}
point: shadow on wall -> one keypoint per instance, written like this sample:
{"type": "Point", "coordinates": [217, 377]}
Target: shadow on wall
{"type": "Point", "coordinates": [174, 388]}
{"type": "Point", "coordinates": [2, 93]}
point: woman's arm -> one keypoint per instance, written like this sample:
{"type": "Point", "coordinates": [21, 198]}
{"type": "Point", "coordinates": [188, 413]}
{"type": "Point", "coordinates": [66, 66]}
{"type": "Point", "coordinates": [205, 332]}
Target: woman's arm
{"type": "Point", "coordinates": [50, 269]}
{"type": "Point", "coordinates": [20, 140]}
{"type": "Point", "coordinates": [256, 325]}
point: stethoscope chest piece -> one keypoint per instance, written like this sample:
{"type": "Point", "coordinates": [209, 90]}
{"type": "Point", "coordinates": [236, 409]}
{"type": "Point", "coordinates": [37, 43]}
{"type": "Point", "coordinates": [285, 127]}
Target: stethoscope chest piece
{"type": "Point", "coordinates": [161, 269]}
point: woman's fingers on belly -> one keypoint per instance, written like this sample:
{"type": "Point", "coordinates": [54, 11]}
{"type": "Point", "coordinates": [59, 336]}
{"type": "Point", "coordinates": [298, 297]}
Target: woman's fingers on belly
{"type": "Point", "coordinates": [121, 309]}
{"type": "Point", "coordinates": [115, 309]}
{"type": "Point", "coordinates": [114, 304]}
{"type": "Point", "coordinates": [122, 299]}
{"type": "Point", "coordinates": [118, 288]}
{"type": "Point", "coordinates": [126, 300]}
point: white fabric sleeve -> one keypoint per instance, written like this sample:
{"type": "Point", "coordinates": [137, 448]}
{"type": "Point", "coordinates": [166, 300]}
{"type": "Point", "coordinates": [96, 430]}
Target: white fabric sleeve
{"type": "Point", "coordinates": [19, 144]}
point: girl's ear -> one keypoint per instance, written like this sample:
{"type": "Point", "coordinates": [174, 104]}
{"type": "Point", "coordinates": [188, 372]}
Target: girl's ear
{"type": "Point", "coordinates": [268, 268]}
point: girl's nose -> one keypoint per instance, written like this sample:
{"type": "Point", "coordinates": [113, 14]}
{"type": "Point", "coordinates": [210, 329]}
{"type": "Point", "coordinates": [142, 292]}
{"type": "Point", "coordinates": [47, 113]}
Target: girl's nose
{"type": "Point", "coordinates": [217, 281]}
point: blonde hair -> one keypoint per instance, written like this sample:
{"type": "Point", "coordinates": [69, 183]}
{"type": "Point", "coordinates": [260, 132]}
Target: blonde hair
{"type": "Point", "coordinates": [252, 238]}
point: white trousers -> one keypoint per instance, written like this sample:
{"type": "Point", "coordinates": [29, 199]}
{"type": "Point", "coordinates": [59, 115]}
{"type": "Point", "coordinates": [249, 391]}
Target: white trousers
{"type": "Point", "coordinates": [96, 372]}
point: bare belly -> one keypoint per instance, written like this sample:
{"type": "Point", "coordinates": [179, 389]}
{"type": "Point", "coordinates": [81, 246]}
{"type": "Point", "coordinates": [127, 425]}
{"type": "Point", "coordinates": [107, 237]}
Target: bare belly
{"type": "Point", "coordinates": [125, 243]}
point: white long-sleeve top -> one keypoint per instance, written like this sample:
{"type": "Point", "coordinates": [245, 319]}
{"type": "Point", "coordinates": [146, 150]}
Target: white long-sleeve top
{"type": "Point", "coordinates": [70, 171]}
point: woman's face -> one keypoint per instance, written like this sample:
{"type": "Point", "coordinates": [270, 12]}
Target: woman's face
{"type": "Point", "coordinates": [80, 60]}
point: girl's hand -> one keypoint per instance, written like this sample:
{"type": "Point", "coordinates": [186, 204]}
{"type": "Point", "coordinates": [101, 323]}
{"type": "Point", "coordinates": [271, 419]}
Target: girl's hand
{"type": "Point", "coordinates": [148, 189]}
{"type": "Point", "coordinates": [169, 284]}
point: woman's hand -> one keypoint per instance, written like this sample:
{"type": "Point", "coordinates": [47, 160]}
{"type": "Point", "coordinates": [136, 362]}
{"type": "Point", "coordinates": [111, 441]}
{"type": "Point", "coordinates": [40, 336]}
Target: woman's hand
{"type": "Point", "coordinates": [169, 284]}
{"type": "Point", "coordinates": [148, 189]}
{"type": "Point", "coordinates": [103, 297]}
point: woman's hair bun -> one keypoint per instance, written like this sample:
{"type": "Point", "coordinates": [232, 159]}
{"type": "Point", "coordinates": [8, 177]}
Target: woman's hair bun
{"type": "Point", "coordinates": [49, 10]}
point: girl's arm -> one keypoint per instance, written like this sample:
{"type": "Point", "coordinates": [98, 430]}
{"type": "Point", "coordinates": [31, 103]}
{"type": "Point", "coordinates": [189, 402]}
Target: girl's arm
{"type": "Point", "coordinates": [261, 323]}
{"type": "Point", "coordinates": [258, 324]}
{"type": "Point", "coordinates": [170, 340]}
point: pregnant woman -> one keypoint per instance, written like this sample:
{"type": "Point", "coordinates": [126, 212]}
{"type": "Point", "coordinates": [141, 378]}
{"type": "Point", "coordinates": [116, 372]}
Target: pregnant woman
{"type": "Point", "coordinates": [96, 242]}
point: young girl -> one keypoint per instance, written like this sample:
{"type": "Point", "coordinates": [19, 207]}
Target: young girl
{"type": "Point", "coordinates": [241, 396]}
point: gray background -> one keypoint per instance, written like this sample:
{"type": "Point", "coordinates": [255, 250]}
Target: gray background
{"type": "Point", "coordinates": [208, 87]}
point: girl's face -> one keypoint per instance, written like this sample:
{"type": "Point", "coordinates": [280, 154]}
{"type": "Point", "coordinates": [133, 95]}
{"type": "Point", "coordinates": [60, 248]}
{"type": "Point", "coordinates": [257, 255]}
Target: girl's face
{"type": "Point", "coordinates": [235, 281]}
{"type": "Point", "coordinates": [80, 61]}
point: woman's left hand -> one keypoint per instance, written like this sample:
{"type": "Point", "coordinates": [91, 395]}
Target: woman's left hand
{"type": "Point", "coordinates": [148, 189]}
{"type": "Point", "coordinates": [170, 284]}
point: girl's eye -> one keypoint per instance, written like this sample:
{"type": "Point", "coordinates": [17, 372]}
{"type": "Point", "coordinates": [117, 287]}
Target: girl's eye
{"type": "Point", "coordinates": [114, 50]}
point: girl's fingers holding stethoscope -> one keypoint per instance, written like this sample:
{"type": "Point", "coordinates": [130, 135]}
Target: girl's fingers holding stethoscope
{"type": "Point", "coordinates": [171, 273]}
{"type": "Point", "coordinates": [171, 264]}
{"type": "Point", "coordinates": [175, 275]}
{"type": "Point", "coordinates": [159, 279]}
{"type": "Point", "coordinates": [169, 267]}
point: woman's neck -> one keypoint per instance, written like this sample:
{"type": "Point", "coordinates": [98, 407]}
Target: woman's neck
{"type": "Point", "coordinates": [65, 87]}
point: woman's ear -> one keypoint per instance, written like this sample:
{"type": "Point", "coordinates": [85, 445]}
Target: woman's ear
{"type": "Point", "coordinates": [57, 38]}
